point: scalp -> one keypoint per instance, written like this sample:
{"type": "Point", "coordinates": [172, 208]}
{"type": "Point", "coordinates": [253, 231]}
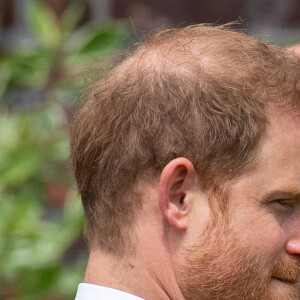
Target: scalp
{"type": "Point", "coordinates": [198, 92]}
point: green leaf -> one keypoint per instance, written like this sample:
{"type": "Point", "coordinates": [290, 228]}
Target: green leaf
{"type": "Point", "coordinates": [22, 165]}
{"type": "Point", "coordinates": [30, 68]}
{"type": "Point", "coordinates": [5, 75]}
{"type": "Point", "coordinates": [70, 18]}
{"type": "Point", "coordinates": [43, 24]}
{"type": "Point", "coordinates": [45, 279]}
{"type": "Point", "coordinates": [93, 41]}
{"type": "Point", "coordinates": [99, 42]}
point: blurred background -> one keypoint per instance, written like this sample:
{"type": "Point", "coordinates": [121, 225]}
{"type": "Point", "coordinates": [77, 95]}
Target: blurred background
{"type": "Point", "coordinates": [50, 50]}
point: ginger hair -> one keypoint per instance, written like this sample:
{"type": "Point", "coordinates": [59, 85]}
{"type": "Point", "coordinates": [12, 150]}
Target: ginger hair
{"type": "Point", "coordinates": [198, 92]}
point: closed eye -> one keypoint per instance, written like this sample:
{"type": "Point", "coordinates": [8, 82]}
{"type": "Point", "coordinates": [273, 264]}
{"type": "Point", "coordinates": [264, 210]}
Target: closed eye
{"type": "Point", "coordinates": [285, 202]}
{"type": "Point", "coordinates": [284, 205]}
{"type": "Point", "coordinates": [282, 201]}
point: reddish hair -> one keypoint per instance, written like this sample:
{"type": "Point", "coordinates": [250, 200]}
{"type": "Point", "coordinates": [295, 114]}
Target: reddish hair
{"type": "Point", "coordinates": [198, 92]}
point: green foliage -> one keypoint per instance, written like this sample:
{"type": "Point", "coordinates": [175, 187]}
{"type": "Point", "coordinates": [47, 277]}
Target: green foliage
{"type": "Point", "coordinates": [33, 241]}
{"type": "Point", "coordinates": [40, 214]}
{"type": "Point", "coordinates": [90, 41]}
{"type": "Point", "coordinates": [43, 25]}
{"type": "Point", "coordinates": [56, 52]}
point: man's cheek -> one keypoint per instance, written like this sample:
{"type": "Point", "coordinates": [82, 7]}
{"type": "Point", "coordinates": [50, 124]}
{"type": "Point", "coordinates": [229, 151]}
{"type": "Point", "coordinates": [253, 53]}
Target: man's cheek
{"type": "Point", "coordinates": [262, 236]}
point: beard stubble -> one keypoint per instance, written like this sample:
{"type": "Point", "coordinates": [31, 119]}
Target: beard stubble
{"type": "Point", "coordinates": [219, 268]}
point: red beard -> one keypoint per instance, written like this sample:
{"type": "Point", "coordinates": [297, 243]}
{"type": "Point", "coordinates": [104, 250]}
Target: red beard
{"type": "Point", "coordinates": [219, 268]}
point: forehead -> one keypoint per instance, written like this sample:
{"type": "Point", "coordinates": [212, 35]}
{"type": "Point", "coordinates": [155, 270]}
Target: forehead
{"type": "Point", "coordinates": [282, 139]}
{"type": "Point", "coordinates": [278, 165]}
{"type": "Point", "coordinates": [278, 162]}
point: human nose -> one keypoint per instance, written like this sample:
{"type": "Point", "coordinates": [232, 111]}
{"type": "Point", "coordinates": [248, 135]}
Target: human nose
{"type": "Point", "coordinates": [293, 247]}
{"type": "Point", "coordinates": [293, 244]}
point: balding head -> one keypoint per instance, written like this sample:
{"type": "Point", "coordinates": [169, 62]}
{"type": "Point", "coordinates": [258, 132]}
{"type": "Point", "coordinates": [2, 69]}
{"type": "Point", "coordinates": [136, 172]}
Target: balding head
{"type": "Point", "coordinates": [199, 92]}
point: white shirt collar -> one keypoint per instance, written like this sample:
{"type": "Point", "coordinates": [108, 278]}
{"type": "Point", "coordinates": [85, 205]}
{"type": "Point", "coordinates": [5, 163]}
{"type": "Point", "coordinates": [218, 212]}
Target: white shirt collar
{"type": "Point", "coordinates": [87, 291]}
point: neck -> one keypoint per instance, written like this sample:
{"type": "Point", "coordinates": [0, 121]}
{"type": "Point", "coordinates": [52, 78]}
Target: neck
{"type": "Point", "coordinates": [134, 275]}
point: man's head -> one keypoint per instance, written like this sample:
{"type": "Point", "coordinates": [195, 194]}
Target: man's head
{"type": "Point", "coordinates": [183, 124]}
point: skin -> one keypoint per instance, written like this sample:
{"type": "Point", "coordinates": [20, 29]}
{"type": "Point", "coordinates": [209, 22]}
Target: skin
{"type": "Point", "coordinates": [295, 49]}
{"type": "Point", "coordinates": [269, 197]}
{"type": "Point", "coordinates": [254, 252]}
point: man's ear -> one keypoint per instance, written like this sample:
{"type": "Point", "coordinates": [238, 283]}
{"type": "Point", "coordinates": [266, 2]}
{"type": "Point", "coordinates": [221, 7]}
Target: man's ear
{"type": "Point", "coordinates": [176, 179]}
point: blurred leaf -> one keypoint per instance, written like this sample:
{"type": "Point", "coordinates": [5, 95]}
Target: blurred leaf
{"type": "Point", "coordinates": [8, 134]}
{"type": "Point", "coordinates": [5, 75]}
{"type": "Point", "coordinates": [30, 68]}
{"type": "Point", "coordinates": [70, 276]}
{"type": "Point", "coordinates": [43, 24]}
{"type": "Point", "coordinates": [46, 278]}
{"type": "Point", "coordinates": [92, 41]}
{"type": "Point", "coordinates": [102, 40]}
{"type": "Point", "coordinates": [70, 18]}
{"type": "Point", "coordinates": [21, 166]}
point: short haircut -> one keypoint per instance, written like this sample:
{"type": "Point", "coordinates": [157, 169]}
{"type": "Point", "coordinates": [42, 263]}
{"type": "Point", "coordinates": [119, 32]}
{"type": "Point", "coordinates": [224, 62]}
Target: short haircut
{"type": "Point", "coordinates": [198, 92]}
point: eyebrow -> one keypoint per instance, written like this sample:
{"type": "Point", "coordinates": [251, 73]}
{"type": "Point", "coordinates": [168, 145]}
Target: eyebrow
{"type": "Point", "coordinates": [282, 193]}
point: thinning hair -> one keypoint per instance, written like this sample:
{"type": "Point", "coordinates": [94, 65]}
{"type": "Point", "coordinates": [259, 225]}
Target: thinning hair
{"type": "Point", "coordinates": [199, 92]}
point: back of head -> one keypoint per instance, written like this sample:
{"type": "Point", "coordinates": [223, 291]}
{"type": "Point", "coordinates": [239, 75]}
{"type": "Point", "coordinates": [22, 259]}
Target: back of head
{"type": "Point", "coordinates": [199, 92]}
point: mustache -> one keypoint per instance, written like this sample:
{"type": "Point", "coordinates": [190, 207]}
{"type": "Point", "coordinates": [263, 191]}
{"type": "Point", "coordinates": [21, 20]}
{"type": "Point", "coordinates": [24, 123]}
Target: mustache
{"type": "Point", "coordinates": [288, 270]}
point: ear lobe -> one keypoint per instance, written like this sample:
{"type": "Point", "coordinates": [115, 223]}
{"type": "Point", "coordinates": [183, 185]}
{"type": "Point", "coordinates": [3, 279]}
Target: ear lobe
{"type": "Point", "coordinates": [176, 180]}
